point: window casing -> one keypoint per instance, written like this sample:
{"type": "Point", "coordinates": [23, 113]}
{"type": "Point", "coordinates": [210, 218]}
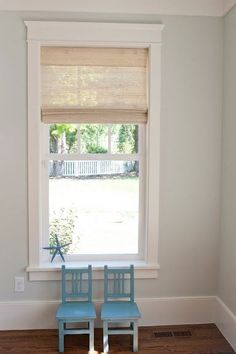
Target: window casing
{"type": "Point", "coordinates": [85, 34]}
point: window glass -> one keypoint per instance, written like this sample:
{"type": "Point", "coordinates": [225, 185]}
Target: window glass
{"type": "Point", "coordinates": [124, 138]}
{"type": "Point", "coordinates": [94, 138]}
{"type": "Point", "coordinates": [94, 205]}
{"type": "Point", "coordinates": [63, 138]}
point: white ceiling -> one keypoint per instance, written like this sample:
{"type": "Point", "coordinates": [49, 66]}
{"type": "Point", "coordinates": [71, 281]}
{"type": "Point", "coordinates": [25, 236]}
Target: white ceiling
{"type": "Point", "coordinates": [165, 7]}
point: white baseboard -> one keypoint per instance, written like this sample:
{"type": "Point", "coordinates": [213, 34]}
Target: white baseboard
{"type": "Point", "coordinates": [155, 311]}
{"type": "Point", "coordinates": [226, 322]}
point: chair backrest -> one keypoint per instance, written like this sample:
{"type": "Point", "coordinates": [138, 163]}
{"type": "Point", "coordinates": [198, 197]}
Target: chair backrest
{"type": "Point", "coordinates": [76, 284]}
{"type": "Point", "coordinates": [119, 283]}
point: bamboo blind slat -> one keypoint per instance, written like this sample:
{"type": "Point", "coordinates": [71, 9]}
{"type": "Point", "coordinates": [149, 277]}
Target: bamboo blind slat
{"type": "Point", "coordinates": [84, 116]}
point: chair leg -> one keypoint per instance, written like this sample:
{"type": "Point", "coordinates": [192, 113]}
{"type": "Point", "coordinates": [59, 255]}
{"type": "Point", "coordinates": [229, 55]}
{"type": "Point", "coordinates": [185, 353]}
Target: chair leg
{"type": "Point", "coordinates": [61, 336]}
{"type": "Point", "coordinates": [135, 336]}
{"type": "Point", "coordinates": [105, 337]}
{"type": "Point", "coordinates": [91, 335]}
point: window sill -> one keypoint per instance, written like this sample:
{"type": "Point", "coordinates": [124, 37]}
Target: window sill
{"type": "Point", "coordinates": [51, 271]}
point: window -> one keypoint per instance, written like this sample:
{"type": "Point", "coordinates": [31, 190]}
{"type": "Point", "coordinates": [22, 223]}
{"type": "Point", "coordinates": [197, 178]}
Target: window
{"type": "Point", "coordinates": [96, 101]}
{"type": "Point", "coordinates": [95, 175]}
{"type": "Point", "coordinates": [94, 144]}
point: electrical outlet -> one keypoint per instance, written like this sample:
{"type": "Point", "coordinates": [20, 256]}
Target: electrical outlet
{"type": "Point", "coordinates": [19, 284]}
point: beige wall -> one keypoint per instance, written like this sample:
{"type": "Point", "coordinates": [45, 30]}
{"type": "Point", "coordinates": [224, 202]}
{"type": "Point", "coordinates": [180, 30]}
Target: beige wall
{"type": "Point", "coordinates": [227, 278]}
{"type": "Point", "coordinates": [190, 156]}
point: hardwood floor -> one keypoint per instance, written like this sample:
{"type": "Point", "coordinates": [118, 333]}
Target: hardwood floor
{"type": "Point", "coordinates": [194, 339]}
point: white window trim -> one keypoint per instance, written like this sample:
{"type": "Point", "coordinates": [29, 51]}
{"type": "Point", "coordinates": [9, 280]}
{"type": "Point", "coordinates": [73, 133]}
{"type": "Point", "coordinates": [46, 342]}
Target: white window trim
{"type": "Point", "coordinates": [93, 34]}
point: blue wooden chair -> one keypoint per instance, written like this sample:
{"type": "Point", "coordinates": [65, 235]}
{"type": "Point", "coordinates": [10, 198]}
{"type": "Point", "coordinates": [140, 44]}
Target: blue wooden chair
{"type": "Point", "coordinates": [119, 305]}
{"type": "Point", "coordinates": [76, 306]}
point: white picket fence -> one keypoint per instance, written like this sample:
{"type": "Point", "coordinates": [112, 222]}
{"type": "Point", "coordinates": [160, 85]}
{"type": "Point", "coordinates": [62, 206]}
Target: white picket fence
{"type": "Point", "coordinates": [92, 168]}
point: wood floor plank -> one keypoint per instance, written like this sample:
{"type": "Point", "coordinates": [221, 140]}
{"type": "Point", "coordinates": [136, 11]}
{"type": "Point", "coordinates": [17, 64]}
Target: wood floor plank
{"type": "Point", "coordinates": [194, 339]}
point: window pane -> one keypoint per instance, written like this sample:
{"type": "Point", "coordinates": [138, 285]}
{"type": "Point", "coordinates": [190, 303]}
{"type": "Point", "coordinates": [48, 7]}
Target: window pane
{"type": "Point", "coordinates": [94, 205]}
{"type": "Point", "coordinates": [63, 138]}
{"type": "Point", "coordinates": [94, 138]}
{"type": "Point", "coordinates": [124, 138]}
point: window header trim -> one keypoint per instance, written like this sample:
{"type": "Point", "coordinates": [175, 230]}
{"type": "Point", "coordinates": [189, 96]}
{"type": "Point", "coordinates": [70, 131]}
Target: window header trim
{"type": "Point", "coordinates": [93, 31]}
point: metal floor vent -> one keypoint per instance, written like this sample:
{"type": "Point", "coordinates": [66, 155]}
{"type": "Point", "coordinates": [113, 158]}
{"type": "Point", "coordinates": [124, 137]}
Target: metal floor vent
{"type": "Point", "coordinates": [182, 334]}
{"type": "Point", "coordinates": [163, 334]}
{"type": "Point", "coordinates": [178, 334]}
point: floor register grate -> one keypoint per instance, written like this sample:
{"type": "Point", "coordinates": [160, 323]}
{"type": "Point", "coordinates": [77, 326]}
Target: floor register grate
{"type": "Point", "coordinates": [167, 334]}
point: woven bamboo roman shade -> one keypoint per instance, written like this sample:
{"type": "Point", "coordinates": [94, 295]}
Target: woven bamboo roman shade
{"type": "Point", "coordinates": [94, 85]}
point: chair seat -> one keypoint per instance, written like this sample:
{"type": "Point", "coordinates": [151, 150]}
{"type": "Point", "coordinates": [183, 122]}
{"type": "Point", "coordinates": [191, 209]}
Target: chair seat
{"type": "Point", "coordinates": [120, 310]}
{"type": "Point", "coordinates": [76, 310]}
